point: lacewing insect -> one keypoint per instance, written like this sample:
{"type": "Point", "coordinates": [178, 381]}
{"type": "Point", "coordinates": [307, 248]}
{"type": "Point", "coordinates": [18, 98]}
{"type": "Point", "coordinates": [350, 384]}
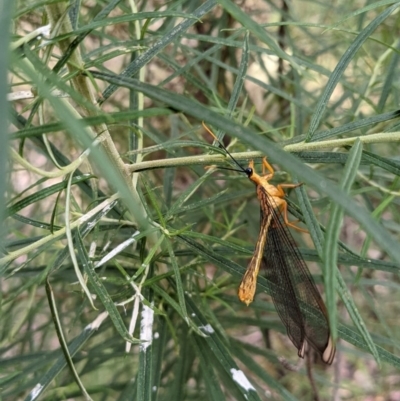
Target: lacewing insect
{"type": "Point", "coordinates": [295, 295]}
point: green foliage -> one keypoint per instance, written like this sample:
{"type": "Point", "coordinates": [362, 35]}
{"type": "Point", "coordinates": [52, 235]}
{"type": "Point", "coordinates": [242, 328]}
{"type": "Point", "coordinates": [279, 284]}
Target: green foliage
{"type": "Point", "coordinates": [122, 250]}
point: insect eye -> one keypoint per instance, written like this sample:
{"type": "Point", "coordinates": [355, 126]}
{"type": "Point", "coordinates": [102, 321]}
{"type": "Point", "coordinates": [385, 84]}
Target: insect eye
{"type": "Point", "coordinates": [249, 171]}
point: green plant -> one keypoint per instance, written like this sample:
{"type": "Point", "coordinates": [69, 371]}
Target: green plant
{"type": "Point", "coordinates": [115, 234]}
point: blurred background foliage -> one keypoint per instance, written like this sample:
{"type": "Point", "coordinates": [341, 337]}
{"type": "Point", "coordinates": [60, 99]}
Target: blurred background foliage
{"type": "Point", "coordinates": [122, 251]}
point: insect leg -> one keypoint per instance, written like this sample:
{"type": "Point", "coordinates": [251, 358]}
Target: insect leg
{"type": "Point", "coordinates": [284, 211]}
{"type": "Point", "coordinates": [267, 166]}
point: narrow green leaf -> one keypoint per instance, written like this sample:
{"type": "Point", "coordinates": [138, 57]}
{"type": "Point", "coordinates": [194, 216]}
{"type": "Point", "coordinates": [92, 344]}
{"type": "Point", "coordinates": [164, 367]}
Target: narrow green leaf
{"type": "Point", "coordinates": [332, 236]}
{"type": "Point", "coordinates": [239, 82]}
{"type": "Point", "coordinates": [185, 195]}
{"type": "Point", "coordinates": [61, 339]}
{"type": "Point", "coordinates": [340, 68]}
{"type": "Point", "coordinates": [330, 252]}
{"type": "Point", "coordinates": [256, 29]}
{"type": "Point", "coordinates": [101, 291]}
{"type": "Point", "coordinates": [145, 372]}
{"type": "Point", "coordinates": [100, 23]}
{"type": "Point", "coordinates": [44, 193]}
{"type": "Point", "coordinates": [6, 14]}
{"type": "Point", "coordinates": [391, 165]}
{"type": "Point", "coordinates": [389, 80]}
{"type": "Point", "coordinates": [358, 340]}
{"type": "Point", "coordinates": [238, 380]}
{"type": "Point", "coordinates": [310, 220]}
{"type": "Point", "coordinates": [260, 371]}
{"type": "Point", "coordinates": [212, 385]}
{"type": "Point", "coordinates": [111, 118]}
{"type": "Point", "coordinates": [178, 281]}
{"type": "Point", "coordinates": [154, 200]}
{"type": "Point", "coordinates": [355, 125]}
{"type": "Point", "coordinates": [166, 39]}
{"type": "Point", "coordinates": [159, 344]}
{"type": "Point", "coordinates": [182, 366]}
{"type": "Point", "coordinates": [76, 344]}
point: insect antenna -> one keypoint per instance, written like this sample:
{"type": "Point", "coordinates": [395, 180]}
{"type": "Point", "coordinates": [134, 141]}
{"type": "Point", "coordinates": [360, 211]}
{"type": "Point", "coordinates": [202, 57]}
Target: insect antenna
{"type": "Point", "coordinates": [242, 170]}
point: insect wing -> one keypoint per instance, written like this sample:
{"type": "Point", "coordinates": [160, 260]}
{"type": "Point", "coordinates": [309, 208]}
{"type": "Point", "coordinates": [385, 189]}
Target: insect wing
{"type": "Point", "coordinates": [295, 295]}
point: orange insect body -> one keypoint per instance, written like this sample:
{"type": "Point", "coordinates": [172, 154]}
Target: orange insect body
{"type": "Point", "coordinates": [289, 272]}
{"type": "Point", "coordinates": [294, 293]}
